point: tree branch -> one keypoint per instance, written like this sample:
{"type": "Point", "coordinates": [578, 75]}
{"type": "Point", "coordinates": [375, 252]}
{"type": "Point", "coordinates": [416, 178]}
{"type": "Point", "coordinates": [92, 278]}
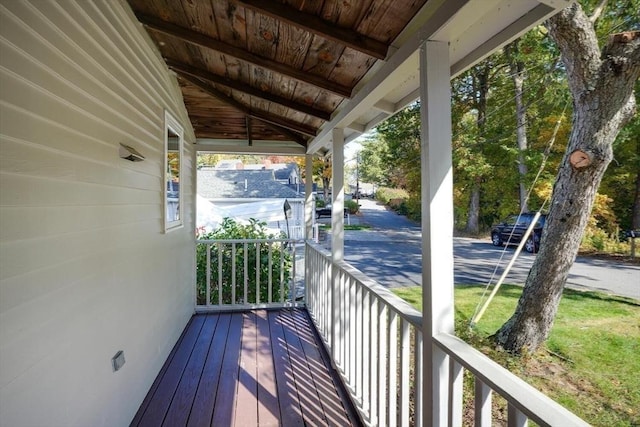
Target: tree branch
{"type": "Point", "coordinates": [598, 11]}
{"type": "Point", "coordinates": [577, 40]}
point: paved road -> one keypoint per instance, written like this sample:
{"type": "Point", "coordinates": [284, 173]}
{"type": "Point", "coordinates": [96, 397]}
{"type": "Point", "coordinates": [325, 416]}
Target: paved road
{"type": "Point", "coordinates": [394, 242]}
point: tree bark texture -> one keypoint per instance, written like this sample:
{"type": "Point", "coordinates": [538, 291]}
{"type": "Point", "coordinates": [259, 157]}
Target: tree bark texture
{"type": "Point", "coordinates": [481, 84]}
{"type": "Point", "coordinates": [474, 209]}
{"type": "Point", "coordinates": [601, 85]}
{"type": "Point", "coordinates": [635, 219]}
{"type": "Point", "coordinates": [516, 67]}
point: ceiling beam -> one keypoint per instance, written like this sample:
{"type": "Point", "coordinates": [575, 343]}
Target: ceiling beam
{"type": "Point", "coordinates": [385, 106]}
{"type": "Point", "coordinates": [182, 68]}
{"type": "Point", "coordinates": [318, 26]}
{"type": "Point", "coordinates": [259, 147]}
{"type": "Point", "coordinates": [394, 70]}
{"type": "Point", "coordinates": [284, 126]}
{"type": "Point", "coordinates": [203, 40]}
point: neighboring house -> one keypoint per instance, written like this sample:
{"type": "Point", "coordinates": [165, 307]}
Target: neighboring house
{"type": "Point", "coordinates": [285, 173]}
{"type": "Point", "coordinates": [245, 194]}
{"type": "Point", "coordinates": [230, 164]}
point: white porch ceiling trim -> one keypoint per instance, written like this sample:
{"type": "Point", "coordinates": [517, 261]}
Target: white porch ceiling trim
{"type": "Point", "coordinates": [465, 24]}
{"type": "Point", "coordinates": [396, 69]}
{"type": "Point", "coordinates": [257, 147]}
{"type": "Point", "coordinates": [510, 33]}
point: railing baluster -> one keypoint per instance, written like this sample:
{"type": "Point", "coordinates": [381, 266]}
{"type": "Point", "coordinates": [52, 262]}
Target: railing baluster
{"type": "Point", "coordinates": [292, 288]}
{"type": "Point", "coordinates": [456, 372]}
{"type": "Point", "coordinates": [383, 361]}
{"type": "Point", "coordinates": [366, 347]}
{"type": "Point", "coordinates": [516, 417]}
{"type": "Point", "coordinates": [393, 369]}
{"type": "Point", "coordinates": [352, 324]}
{"type": "Point", "coordinates": [374, 352]}
{"type": "Point", "coordinates": [220, 250]}
{"type": "Point", "coordinates": [281, 274]}
{"type": "Point", "coordinates": [405, 377]}
{"type": "Point", "coordinates": [258, 287]}
{"type": "Point", "coordinates": [233, 273]}
{"type": "Point", "coordinates": [246, 274]}
{"type": "Point", "coordinates": [341, 320]}
{"type": "Point", "coordinates": [208, 279]}
{"type": "Point", "coordinates": [358, 357]}
{"type": "Point", "coordinates": [418, 378]}
{"type": "Point", "coordinates": [482, 404]}
{"type": "Point", "coordinates": [270, 273]}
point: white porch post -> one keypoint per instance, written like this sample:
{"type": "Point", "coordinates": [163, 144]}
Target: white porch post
{"type": "Point", "coordinates": [308, 196]}
{"type": "Point", "coordinates": [308, 221]}
{"type": "Point", "coordinates": [337, 233]}
{"type": "Point", "coordinates": [437, 225]}
{"type": "Point", "coordinates": [337, 198]}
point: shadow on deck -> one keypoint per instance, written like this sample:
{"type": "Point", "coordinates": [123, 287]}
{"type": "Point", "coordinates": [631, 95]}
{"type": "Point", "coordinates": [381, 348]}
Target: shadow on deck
{"type": "Point", "coordinates": [252, 368]}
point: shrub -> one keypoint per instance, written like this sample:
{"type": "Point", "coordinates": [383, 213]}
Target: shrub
{"type": "Point", "coordinates": [280, 272]}
{"type": "Point", "coordinates": [598, 240]}
{"type": "Point", "coordinates": [385, 194]}
{"type": "Point", "coordinates": [352, 206]}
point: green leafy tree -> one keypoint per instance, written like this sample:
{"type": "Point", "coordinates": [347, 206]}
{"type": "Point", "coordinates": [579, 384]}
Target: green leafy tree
{"type": "Point", "coordinates": [622, 179]}
{"type": "Point", "coordinates": [401, 135]}
{"type": "Point", "coordinates": [322, 171]}
{"type": "Point", "coordinates": [278, 271]}
{"type": "Point", "coordinates": [373, 159]}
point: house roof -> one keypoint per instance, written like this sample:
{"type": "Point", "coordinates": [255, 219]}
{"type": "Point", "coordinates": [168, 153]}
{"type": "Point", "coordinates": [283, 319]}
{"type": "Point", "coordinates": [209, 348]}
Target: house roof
{"type": "Point", "coordinates": [242, 184]}
{"type": "Point", "coordinates": [283, 172]}
{"type": "Point", "coordinates": [278, 76]}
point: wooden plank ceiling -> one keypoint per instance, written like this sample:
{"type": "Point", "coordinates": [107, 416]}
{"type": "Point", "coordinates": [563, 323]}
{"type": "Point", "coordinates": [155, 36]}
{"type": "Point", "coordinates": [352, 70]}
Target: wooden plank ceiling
{"type": "Point", "coordinates": [270, 70]}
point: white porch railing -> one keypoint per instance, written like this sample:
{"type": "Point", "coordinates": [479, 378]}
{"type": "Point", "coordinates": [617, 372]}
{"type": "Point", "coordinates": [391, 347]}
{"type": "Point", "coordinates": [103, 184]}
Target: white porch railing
{"type": "Point", "coordinates": [249, 274]}
{"type": "Point", "coordinates": [375, 338]}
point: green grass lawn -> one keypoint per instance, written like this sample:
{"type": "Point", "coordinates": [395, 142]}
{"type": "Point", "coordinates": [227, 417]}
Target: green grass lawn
{"type": "Point", "coordinates": [591, 361]}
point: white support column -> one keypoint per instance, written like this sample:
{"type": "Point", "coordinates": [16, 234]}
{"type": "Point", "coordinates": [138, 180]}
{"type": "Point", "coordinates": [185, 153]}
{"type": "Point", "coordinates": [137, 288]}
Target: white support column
{"type": "Point", "coordinates": [308, 222]}
{"type": "Point", "coordinates": [337, 235]}
{"type": "Point", "coordinates": [437, 225]}
{"type": "Point", "coordinates": [337, 198]}
{"type": "Point", "coordinates": [308, 196]}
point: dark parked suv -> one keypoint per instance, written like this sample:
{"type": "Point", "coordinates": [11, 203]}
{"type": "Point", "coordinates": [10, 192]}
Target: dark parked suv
{"type": "Point", "coordinates": [511, 231]}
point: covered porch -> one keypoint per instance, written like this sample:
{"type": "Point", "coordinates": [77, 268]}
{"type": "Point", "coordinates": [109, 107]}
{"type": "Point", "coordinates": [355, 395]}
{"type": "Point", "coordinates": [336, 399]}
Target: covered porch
{"type": "Point", "coordinates": [98, 256]}
{"type": "Point", "coordinates": [247, 368]}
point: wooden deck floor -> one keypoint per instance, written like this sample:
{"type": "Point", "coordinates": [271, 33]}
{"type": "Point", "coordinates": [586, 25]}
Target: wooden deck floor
{"type": "Point", "coordinates": [258, 368]}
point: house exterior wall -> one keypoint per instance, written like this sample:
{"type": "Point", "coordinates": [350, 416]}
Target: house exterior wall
{"type": "Point", "coordinates": [86, 268]}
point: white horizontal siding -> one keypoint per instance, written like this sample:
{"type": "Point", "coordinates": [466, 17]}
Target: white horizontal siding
{"type": "Point", "coordinates": [86, 268]}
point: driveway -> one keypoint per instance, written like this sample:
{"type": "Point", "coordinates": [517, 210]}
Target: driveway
{"type": "Point", "coordinates": [390, 252]}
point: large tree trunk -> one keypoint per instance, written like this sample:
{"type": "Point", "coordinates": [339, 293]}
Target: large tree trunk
{"type": "Point", "coordinates": [516, 67]}
{"type": "Point", "coordinates": [635, 218]}
{"type": "Point", "coordinates": [473, 225]}
{"type": "Point", "coordinates": [481, 86]}
{"type": "Point", "coordinates": [601, 84]}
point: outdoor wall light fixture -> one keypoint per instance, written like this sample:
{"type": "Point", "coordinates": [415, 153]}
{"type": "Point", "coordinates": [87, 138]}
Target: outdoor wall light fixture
{"type": "Point", "coordinates": [130, 153]}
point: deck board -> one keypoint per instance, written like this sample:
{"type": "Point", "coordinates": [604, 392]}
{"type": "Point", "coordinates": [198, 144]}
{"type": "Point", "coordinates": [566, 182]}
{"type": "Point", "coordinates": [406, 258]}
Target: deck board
{"type": "Point", "coordinates": [268, 407]}
{"type": "Point", "coordinates": [182, 402]}
{"type": "Point", "coordinates": [262, 368]}
{"type": "Point", "coordinates": [202, 409]}
{"type": "Point", "coordinates": [225, 404]}
{"type": "Point", "coordinates": [247, 415]}
{"type": "Point", "coordinates": [159, 404]}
